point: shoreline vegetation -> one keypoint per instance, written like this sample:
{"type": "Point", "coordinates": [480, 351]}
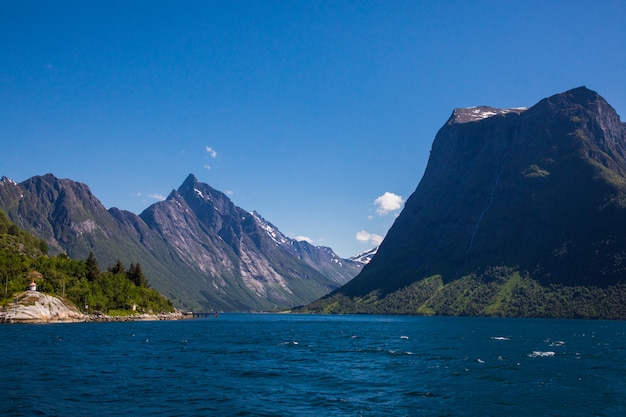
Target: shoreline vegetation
{"type": "Point", "coordinates": [493, 292]}
{"type": "Point", "coordinates": [33, 307]}
{"type": "Point", "coordinates": [58, 284]}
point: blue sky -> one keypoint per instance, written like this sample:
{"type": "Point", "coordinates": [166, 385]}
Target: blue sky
{"type": "Point", "coordinates": [319, 115]}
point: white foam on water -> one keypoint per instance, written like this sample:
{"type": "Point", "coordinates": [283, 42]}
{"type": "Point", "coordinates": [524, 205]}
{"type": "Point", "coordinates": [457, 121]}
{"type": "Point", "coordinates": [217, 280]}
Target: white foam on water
{"type": "Point", "coordinates": [540, 354]}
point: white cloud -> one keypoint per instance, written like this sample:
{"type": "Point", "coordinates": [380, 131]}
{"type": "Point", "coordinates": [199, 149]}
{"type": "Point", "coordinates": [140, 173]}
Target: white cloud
{"type": "Point", "coordinates": [366, 237]}
{"type": "Point", "coordinates": [211, 152]}
{"type": "Point", "coordinates": [157, 197]}
{"type": "Point", "coordinates": [304, 238]}
{"type": "Point", "coordinates": [230, 192]}
{"type": "Point", "coordinates": [207, 167]}
{"type": "Point", "coordinates": [153, 196]}
{"type": "Point", "coordinates": [388, 203]}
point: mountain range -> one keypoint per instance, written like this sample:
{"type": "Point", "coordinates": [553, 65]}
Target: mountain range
{"type": "Point", "coordinates": [520, 212]}
{"type": "Point", "coordinates": [196, 247]}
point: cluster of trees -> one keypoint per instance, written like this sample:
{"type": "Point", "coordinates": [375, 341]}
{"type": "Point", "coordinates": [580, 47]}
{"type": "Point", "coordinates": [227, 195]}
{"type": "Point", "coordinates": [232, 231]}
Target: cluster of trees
{"type": "Point", "coordinates": [116, 290]}
{"type": "Point", "coordinates": [496, 291]}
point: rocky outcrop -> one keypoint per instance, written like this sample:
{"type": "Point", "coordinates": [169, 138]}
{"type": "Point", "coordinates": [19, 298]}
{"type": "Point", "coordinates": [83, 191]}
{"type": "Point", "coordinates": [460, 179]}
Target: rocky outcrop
{"type": "Point", "coordinates": [36, 307]}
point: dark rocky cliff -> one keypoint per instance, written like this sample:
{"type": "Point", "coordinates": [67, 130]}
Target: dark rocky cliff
{"type": "Point", "coordinates": [541, 190]}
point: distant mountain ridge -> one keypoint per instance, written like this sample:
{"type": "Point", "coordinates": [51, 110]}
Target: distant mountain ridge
{"type": "Point", "coordinates": [537, 193]}
{"type": "Point", "coordinates": [196, 247]}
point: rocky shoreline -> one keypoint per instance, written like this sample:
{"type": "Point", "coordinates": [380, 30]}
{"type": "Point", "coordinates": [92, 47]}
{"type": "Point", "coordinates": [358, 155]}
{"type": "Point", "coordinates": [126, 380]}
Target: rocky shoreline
{"type": "Point", "coordinates": [36, 307]}
{"type": "Point", "coordinates": [176, 315]}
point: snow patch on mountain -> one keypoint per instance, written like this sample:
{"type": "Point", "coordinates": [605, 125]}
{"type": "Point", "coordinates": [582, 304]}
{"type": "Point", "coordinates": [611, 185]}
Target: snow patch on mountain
{"type": "Point", "coordinates": [270, 229]}
{"type": "Point", "coordinates": [476, 113]}
{"type": "Point", "coordinates": [364, 258]}
{"type": "Point", "coordinates": [8, 180]}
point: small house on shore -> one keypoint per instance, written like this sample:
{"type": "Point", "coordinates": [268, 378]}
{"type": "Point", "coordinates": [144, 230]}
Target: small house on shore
{"type": "Point", "coordinates": [32, 286]}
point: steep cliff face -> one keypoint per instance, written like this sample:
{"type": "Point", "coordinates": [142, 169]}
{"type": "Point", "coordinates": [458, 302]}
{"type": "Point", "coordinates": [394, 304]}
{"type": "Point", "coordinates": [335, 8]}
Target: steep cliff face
{"type": "Point", "coordinates": [61, 211]}
{"type": "Point", "coordinates": [540, 189]}
{"type": "Point", "coordinates": [239, 254]}
{"type": "Point", "coordinates": [68, 216]}
{"type": "Point", "coordinates": [196, 247]}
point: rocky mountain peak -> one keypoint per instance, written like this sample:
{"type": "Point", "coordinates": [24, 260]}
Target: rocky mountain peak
{"type": "Point", "coordinates": [473, 114]}
{"type": "Point", "coordinates": [201, 196]}
{"type": "Point", "coordinates": [594, 126]}
{"type": "Point", "coordinates": [7, 180]}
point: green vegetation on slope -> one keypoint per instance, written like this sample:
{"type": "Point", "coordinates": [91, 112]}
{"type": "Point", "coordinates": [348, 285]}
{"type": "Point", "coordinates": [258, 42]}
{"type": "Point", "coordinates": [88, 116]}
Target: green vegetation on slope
{"type": "Point", "coordinates": [23, 259]}
{"type": "Point", "coordinates": [495, 292]}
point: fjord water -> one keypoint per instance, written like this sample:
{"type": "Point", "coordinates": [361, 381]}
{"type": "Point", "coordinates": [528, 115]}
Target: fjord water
{"type": "Point", "coordinates": [308, 365]}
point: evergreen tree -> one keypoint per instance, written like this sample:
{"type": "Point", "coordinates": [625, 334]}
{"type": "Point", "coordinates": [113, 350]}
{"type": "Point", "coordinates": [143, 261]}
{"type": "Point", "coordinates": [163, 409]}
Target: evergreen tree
{"type": "Point", "coordinates": [135, 274]}
{"type": "Point", "coordinates": [118, 268]}
{"type": "Point", "coordinates": [43, 246]}
{"type": "Point", "coordinates": [13, 229]}
{"type": "Point", "coordinates": [93, 270]}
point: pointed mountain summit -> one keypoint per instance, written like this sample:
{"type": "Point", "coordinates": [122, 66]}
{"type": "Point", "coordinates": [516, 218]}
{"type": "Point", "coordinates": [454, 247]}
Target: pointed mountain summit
{"type": "Point", "coordinates": [540, 192]}
{"type": "Point", "coordinates": [196, 247]}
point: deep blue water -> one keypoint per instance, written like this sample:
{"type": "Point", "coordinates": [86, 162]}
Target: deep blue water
{"type": "Point", "coordinates": [306, 365]}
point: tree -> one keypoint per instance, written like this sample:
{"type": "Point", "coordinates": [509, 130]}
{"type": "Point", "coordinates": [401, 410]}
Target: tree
{"type": "Point", "coordinates": [135, 274]}
{"type": "Point", "coordinates": [13, 229]}
{"type": "Point", "coordinates": [93, 270]}
{"type": "Point", "coordinates": [43, 246]}
{"type": "Point", "coordinates": [118, 268]}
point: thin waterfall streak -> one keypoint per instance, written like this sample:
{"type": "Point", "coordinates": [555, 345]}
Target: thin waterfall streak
{"type": "Point", "coordinates": [485, 210]}
{"type": "Point", "coordinates": [482, 214]}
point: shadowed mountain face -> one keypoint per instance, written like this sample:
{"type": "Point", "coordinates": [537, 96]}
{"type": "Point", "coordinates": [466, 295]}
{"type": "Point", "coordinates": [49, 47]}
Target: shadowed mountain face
{"type": "Point", "coordinates": [196, 247]}
{"type": "Point", "coordinates": [542, 190]}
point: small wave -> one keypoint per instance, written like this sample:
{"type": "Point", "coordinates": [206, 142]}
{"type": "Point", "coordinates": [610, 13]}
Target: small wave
{"type": "Point", "coordinates": [404, 337]}
{"type": "Point", "coordinates": [259, 374]}
{"type": "Point", "coordinates": [540, 354]}
{"type": "Point", "coordinates": [499, 338]}
{"type": "Point", "coordinates": [425, 394]}
{"type": "Point", "coordinates": [397, 352]}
